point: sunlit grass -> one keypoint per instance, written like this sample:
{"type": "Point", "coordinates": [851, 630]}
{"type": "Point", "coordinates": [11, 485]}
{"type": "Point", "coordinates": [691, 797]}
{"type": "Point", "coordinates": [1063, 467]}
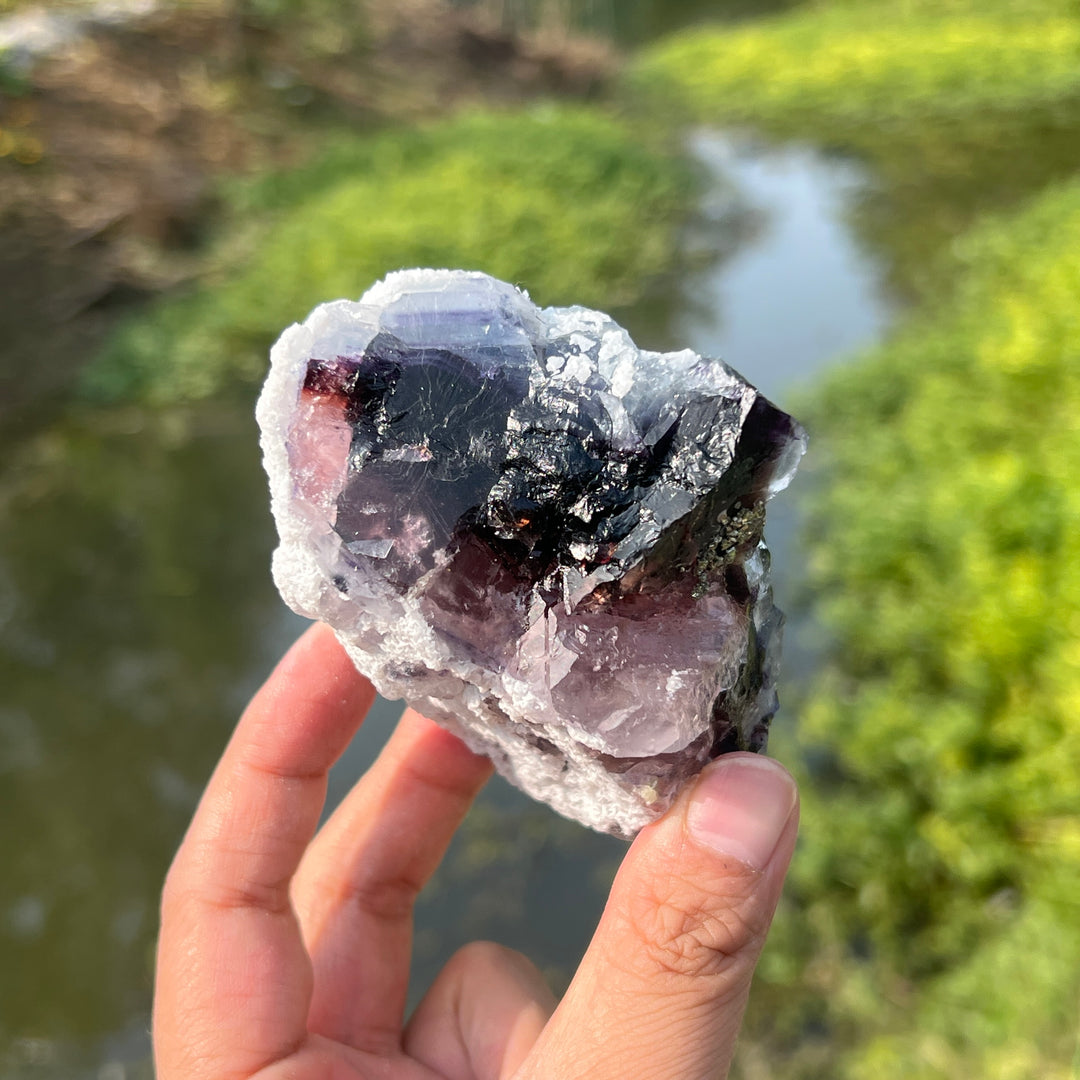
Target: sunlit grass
{"type": "Point", "coordinates": [844, 67]}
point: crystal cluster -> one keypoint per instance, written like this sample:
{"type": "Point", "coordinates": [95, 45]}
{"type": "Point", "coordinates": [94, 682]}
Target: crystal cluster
{"type": "Point", "coordinates": [537, 534]}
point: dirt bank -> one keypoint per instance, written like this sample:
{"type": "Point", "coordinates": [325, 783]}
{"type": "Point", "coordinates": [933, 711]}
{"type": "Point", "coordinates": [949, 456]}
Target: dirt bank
{"type": "Point", "coordinates": [110, 147]}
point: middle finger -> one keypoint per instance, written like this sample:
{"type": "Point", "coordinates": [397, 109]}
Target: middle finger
{"type": "Point", "coordinates": [355, 888]}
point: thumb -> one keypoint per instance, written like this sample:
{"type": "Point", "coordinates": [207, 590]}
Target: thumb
{"type": "Point", "coordinates": [662, 988]}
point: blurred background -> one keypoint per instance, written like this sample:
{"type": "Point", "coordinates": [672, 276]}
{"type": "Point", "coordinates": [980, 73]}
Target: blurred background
{"type": "Point", "coordinates": [870, 207]}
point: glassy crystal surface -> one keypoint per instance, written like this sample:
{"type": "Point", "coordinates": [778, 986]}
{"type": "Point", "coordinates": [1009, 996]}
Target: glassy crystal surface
{"type": "Point", "coordinates": [537, 534]}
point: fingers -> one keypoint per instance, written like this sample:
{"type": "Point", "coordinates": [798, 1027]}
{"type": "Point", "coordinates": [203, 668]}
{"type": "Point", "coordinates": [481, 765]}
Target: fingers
{"type": "Point", "coordinates": [357, 884]}
{"type": "Point", "coordinates": [233, 980]}
{"type": "Point", "coordinates": [481, 1016]}
{"type": "Point", "coordinates": [662, 988]}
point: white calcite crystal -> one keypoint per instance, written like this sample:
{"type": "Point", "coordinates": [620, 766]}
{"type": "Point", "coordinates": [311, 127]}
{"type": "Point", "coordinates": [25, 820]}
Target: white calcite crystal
{"type": "Point", "coordinates": [538, 535]}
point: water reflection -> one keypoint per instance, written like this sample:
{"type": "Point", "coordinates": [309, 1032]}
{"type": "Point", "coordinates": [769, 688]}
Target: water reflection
{"type": "Point", "coordinates": [136, 616]}
{"type": "Point", "coordinates": [933, 181]}
{"type": "Point", "coordinates": [804, 293]}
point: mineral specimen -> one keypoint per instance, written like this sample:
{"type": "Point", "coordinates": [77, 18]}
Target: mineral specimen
{"type": "Point", "coordinates": [537, 534]}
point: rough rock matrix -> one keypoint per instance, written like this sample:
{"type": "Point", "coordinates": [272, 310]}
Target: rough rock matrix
{"type": "Point", "coordinates": [537, 534]}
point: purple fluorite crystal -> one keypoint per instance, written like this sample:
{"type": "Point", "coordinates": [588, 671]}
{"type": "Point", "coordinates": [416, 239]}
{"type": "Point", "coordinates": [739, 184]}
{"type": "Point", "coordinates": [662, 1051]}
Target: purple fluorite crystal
{"type": "Point", "coordinates": [537, 534]}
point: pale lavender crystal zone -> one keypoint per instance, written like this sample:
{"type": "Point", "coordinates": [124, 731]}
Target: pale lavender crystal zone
{"type": "Point", "coordinates": [535, 533]}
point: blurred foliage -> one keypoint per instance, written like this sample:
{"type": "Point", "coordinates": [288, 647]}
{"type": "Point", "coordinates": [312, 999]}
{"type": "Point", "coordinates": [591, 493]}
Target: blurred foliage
{"type": "Point", "coordinates": [931, 929]}
{"type": "Point", "coordinates": [835, 70]}
{"type": "Point", "coordinates": [935, 913]}
{"type": "Point", "coordinates": [961, 108]}
{"type": "Point", "coordinates": [628, 22]}
{"type": "Point", "coordinates": [319, 28]}
{"type": "Point", "coordinates": [13, 81]}
{"type": "Point", "coordinates": [942, 836]}
{"type": "Point", "coordinates": [565, 202]}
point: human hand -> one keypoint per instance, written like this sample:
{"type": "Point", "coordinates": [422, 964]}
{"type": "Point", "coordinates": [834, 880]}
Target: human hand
{"type": "Point", "coordinates": [286, 956]}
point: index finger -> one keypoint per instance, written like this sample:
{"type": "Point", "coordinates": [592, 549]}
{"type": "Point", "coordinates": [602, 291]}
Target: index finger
{"type": "Point", "coordinates": [233, 978]}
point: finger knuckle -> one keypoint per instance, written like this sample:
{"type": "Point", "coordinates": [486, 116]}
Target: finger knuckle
{"type": "Point", "coordinates": [688, 931]}
{"type": "Point", "coordinates": [384, 899]}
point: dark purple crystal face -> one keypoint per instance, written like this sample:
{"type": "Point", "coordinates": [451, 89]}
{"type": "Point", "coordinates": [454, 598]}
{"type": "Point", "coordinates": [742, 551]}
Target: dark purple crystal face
{"type": "Point", "coordinates": [427, 445]}
{"type": "Point", "coordinates": [425, 402]}
{"type": "Point", "coordinates": [544, 528]}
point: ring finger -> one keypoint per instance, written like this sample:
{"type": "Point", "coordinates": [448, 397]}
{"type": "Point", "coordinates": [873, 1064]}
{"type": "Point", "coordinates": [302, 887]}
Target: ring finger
{"type": "Point", "coordinates": [355, 889]}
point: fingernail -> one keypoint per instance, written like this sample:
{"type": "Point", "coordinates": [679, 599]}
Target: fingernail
{"type": "Point", "coordinates": [740, 806]}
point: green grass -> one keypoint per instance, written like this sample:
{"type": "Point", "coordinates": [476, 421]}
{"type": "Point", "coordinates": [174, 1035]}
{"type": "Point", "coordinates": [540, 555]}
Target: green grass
{"type": "Point", "coordinates": [565, 202]}
{"type": "Point", "coordinates": [841, 69]}
{"type": "Point", "coordinates": [943, 838]}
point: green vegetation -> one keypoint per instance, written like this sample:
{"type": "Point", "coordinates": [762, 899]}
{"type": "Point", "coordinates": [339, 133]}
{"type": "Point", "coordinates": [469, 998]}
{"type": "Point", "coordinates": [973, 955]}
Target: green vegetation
{"type": "Point", "coordinates": [931, 926]}
{"type": "Point", "coordinates": [835, 71]}
{"type": "Point", "coordinates": [565, 202]}
{"type": "Point", "coordinates": [960, 108]}
{"type": "Point", "coordinates": [942, 842]}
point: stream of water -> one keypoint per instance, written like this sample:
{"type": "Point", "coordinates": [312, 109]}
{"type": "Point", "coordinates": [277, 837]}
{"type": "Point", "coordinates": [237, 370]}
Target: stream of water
{"type": "Point", "coordinates": [800, 295]}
